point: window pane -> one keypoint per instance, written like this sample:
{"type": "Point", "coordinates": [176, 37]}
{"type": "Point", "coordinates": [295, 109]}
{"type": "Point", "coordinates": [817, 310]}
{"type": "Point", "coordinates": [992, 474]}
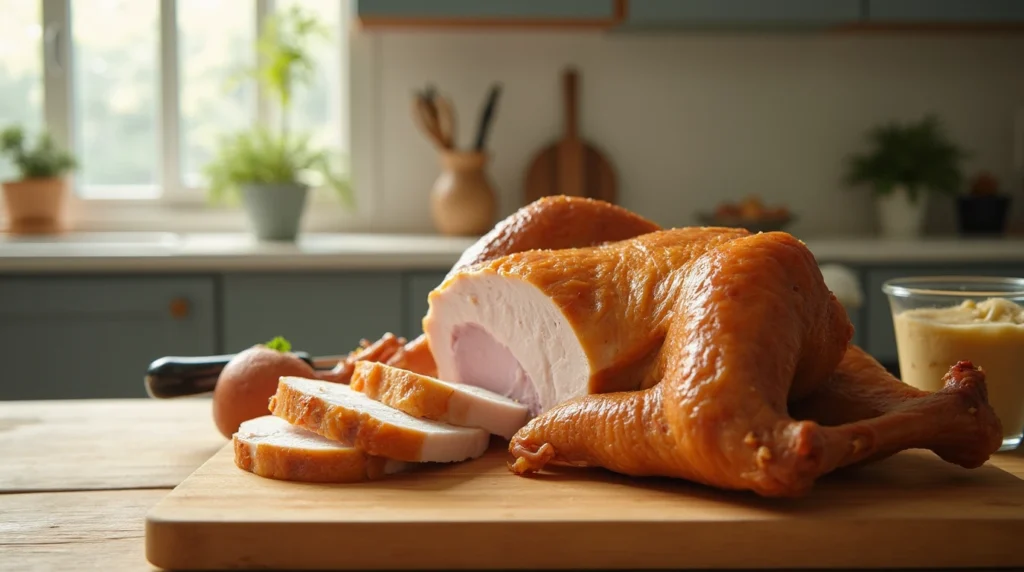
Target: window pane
{"type": "Point", "coordinates": [216, 38]}
{"type": "Point", "coordinates": [318, 108]}
{"type": "Point", "coordinates": [117, 82]}
{"type": "Point", "coordinates": [21, 65]}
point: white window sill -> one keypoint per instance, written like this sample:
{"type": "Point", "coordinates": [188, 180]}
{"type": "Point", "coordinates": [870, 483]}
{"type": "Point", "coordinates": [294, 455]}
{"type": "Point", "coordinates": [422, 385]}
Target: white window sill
{"type": "Point", "coordinates": [196, 218]}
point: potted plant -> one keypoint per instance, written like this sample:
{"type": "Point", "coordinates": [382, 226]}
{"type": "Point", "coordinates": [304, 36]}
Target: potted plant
{"type": "Point", "coordinates": [273, 168]}
{"type": "Point", "coordinates": [906, 165]}
{"type": "Point", "coordinates": [36, 201]}
{"type": "Point", "coordinates": [984, 209]}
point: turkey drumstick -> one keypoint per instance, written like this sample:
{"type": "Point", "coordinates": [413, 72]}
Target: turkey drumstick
{"type": "Point", "coordinates": [956, 422]}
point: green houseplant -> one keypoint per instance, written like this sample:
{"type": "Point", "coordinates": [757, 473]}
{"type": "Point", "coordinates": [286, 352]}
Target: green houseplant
{"type": "Point", "coordinates": [272, 167]}
{"type": "Point", "coordinates": [907, 163]}
{"type": "Point", "coordinates": [36, 201]}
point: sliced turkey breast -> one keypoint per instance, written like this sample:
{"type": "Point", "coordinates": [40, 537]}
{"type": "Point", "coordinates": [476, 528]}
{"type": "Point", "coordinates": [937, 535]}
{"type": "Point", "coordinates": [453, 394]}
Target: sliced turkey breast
{"type": "Point", "coordinates": [338, 412]}
{"type": "Point", "coordinates": [273, 448]}
{"type": "Point", "coordinates": [430, 398]}
{"type": "Point", "coordinates": [505, 335]}
{"type": "Point", "coordinates": [543, 327]}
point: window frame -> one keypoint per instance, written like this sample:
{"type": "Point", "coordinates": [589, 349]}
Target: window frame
{"type": "Point", "coordinates": [178, 205]}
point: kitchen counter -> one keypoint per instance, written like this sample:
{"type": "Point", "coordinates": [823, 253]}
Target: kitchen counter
{"type": "Point", "coordinates": [79, 476]}
{"type": "Point", "coordinates": [166, 252]}
{"type": "Point", "coordinates": [157, 251]}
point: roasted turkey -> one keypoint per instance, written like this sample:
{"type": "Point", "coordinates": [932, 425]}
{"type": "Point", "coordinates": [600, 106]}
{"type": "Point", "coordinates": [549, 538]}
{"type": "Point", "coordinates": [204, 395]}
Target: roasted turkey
{"type": "Point", "coordinates": [709, 354]}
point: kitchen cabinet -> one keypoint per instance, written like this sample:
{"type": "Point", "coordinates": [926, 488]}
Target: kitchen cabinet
{"type": "Point", "coordinates": [881, 339]}
{"type": "Point", "coordinates": [859, 320]}
{"type": "Point", "coordinates": [324, 314]}
{"type": "Point", "coordinates": [92, 337]}
{"type": "Point", "coordinates": [697, 13]}
{"type": "Point", "coordinates": [418, 12]}
{"type": "Point", "coordinates": [946, 11]}
{"type": "Point", "coordinates": [417, 288]}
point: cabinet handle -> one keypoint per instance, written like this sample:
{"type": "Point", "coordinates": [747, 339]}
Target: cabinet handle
{"type": "Point", "coordinates": [179, 308]}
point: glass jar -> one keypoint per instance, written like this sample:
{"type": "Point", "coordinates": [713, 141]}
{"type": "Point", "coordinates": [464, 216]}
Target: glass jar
{"type": "Point", "coordinates": [941, 320]}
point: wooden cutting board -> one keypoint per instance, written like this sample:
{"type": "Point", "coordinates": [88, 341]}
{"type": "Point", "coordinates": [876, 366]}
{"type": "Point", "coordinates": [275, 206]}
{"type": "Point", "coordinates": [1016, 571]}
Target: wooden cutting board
{"type": "Point", "coordinates": [570, 166]}
{"type": "Point", "coordinates": [911, 510]}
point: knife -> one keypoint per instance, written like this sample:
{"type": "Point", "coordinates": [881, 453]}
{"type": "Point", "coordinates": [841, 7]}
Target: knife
{"type": "Point", "coordinates": [182, 376]}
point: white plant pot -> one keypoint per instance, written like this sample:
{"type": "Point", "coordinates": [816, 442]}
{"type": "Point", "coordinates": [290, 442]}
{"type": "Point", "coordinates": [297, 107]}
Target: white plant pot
{"type": "Point", "coordinates": [898, 216]}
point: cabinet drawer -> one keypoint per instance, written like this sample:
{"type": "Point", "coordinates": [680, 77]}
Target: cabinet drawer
{"type": "Point", "coordinates": [953, 11]}
{"type": "Point", "coordinates": [881, 338]}
{"type": "Point", "coordinates": [92, 337]}
{"type": "Point", "coordinates": [748, 12]}
{"type": "Point", "coordinates": [324, 314]}
{"type": "Point", "coordinates": [512, 10]}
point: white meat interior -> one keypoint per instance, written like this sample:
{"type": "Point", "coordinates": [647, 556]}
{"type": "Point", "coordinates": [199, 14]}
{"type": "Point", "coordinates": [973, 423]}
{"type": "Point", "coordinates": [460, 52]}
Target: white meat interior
{"type": "Point", "coordinates": [505, 335]}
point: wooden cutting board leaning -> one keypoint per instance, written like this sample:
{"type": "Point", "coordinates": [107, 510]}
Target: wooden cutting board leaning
{"type": "Point", "coordinates": [912, 510]}
{"type": "Point", "coordinates": [570, 166]}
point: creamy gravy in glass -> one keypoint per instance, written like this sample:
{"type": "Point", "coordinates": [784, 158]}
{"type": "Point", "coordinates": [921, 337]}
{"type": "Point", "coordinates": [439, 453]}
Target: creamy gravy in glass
{"type": "Point", "coordinates": [989, 333]}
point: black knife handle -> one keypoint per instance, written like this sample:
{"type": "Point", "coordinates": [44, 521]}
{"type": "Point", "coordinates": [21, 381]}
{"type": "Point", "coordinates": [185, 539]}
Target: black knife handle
{"type": "Point", "coordinates": [181, 376]}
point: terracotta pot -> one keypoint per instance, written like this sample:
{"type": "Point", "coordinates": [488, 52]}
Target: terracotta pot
{"type": "Point", "coordinates": [463, 201]}
{"type": "Point", "coordinates": [36, 205]}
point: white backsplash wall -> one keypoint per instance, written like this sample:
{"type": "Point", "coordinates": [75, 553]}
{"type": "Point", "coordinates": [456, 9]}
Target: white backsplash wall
{"type": "Point", "coordinates": [691, 119]}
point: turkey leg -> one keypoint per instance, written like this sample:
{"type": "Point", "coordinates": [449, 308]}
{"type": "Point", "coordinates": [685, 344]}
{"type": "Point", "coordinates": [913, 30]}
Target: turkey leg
{"type": "Point", "coordinates": [887, 415]}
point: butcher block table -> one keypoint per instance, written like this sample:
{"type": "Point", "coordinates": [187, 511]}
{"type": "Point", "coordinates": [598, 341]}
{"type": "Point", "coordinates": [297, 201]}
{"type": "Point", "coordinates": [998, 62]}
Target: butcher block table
{"type": "Point", "coordinates": [77, 478]}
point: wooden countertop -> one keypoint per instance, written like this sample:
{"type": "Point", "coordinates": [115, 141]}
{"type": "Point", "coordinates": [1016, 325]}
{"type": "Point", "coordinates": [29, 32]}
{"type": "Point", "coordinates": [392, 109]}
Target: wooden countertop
{"type": "Point", "coordinates": [77, 477]}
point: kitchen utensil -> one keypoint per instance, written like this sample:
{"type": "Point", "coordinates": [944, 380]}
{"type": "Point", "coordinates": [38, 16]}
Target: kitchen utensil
{"type": "Point", "coordinates": [571, 165]}
{"type": "Point", "coordinates": [445, 114]}
{"type": "Point", "coordinates": [487, 117]}
{"type": "Point", "coordinates": [477, 515]}
{"type": "Point", "coordinates": [426, 117]}
{"type": "Point", "coordinates": [180, 376]}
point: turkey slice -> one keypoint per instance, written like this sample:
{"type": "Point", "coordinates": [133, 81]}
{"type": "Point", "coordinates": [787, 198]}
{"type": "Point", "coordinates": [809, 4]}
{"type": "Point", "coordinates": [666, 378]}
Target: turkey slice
{"type": "Point", "coordinates": [273, 448]}
{"type": "Point", "coordinates": [431, 398]}
{"type": "Point", "coordinates": [338, 412]}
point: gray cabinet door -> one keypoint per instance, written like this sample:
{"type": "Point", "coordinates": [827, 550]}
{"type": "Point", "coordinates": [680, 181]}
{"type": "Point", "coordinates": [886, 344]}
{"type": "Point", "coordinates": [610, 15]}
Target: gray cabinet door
{"type": "Point", "coordinates": [741, 12]}
{"type": "Point", "coordinates": [324, 314]}
{"type": "Point", "coordinates": [93, 337]}
{"type": "Point", "coordinates": [417, 288]}
{"type": "Point", "coordinates": [489, 9]}
{"type": "Point", "coordinates": [881, 338]}
{"type": "Point", "coordinates": [955, 11]}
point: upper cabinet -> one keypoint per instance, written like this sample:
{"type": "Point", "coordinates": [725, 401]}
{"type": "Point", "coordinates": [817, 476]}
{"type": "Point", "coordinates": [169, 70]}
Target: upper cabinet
{"type": "Point", "coordinates": [717, 13]}
{"type": "Point", "coordinates": [489, 12]}
{"type": "Point", "coordinates": [690, 14]}
{"type": "Point", "coordinates": [946, 11]}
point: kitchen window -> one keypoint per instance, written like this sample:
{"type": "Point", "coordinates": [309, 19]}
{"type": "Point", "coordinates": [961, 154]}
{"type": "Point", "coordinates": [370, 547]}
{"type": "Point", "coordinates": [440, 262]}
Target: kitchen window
{"type": "Point", "coordinates": [141, 90]}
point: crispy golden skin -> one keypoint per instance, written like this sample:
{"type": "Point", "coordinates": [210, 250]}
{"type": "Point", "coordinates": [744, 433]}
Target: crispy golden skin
{"type": "Point", "coordinates": [744, 324]}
